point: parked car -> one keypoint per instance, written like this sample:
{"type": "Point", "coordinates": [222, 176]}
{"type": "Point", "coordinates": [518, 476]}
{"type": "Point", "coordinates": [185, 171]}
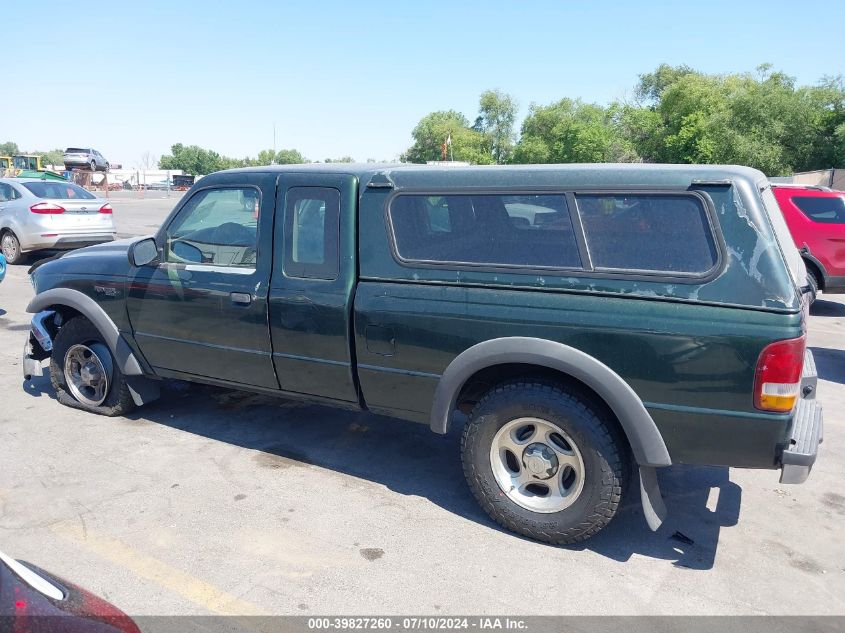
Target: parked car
{"type": "Point", "coordinates": [32, 599]}
{"type": "Point", "coordinates": [583, 318]}
{"type": "Point", "coordinates": [816, 220]}
{"type": "Point", "coordinates": [86, 158]}
{"type": "Point", "coordinates": [37, 214]}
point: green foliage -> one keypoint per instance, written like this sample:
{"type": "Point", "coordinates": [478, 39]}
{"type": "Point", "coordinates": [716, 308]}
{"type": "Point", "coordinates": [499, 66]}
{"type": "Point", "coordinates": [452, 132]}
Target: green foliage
{"type": "Point", "coordinates": [431, 133]}
{"type": "Point", "coordinates": [345, 159]}
{"type": "Point", "coordinates": [289, 157]}
{"type": "Point", "coordinates": [195, 160]}
{"type": "Point", "coordinates": [54, 157]}
{"type": "Point", "coordinates": [9, 149]}
{"type": "Point", "coordinates": [496, 120]}
{"type": "Point", "coordinates": [763, 121]}
{"type": "Point", "coordinates": [571, 131]}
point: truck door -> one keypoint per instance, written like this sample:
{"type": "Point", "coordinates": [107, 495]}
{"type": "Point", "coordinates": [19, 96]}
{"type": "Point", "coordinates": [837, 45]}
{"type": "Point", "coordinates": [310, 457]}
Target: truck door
{"type": "Point", "coordinates": [202, 311]}
{"type": "Point", "coordinates": [313, 283]}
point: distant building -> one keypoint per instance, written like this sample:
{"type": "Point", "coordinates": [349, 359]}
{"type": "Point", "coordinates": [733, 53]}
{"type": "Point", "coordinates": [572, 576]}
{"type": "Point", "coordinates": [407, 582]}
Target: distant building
{"type": "Point", "coordinates": [833, 178]}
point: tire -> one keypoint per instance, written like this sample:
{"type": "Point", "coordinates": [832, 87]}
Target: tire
{"type": "Point", "coordinates": [73, 338]}
{"type": "Point", "coordinates": [106, 168]}
{"type": "Point", "coordinates": [814, 284]}
{"type": "Point", "coordinates": [11, 247]}
{"type": "Point", "coordinates": [93, 165]}
{"type": "Point", "coordinates": [593, 464]}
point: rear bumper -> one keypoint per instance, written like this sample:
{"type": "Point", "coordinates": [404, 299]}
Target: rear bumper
{"type": "Point", "coordinates": [807, 433]}
{"type": "Point", "coordinates": [65, 241]}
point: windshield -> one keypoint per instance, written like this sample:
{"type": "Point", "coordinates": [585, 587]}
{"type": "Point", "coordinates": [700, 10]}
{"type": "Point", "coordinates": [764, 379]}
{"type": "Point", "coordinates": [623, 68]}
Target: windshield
{"type": "Point", "coordinates": [76, 150]}
{"type": "Point", "coordinates": [58, 190]}
{"type": "Point", "coordinates": [827, 210]}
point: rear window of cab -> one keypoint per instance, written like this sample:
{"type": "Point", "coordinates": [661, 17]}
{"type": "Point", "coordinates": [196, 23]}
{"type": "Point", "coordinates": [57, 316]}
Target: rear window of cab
{"type": "Point", "coordinates": [662, 234]}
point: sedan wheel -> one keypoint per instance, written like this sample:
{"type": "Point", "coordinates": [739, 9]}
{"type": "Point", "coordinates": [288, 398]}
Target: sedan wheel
{"type": "Point", "coordinates": [11, 248]}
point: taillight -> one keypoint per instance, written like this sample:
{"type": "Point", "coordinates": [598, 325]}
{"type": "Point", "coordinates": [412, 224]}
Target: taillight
{"type": "Point", "coordinates": [106, 208]}
{"type": "Point", "coordinates": [47, 208]}
{"type": "Point", "coordinates": [778, 378]}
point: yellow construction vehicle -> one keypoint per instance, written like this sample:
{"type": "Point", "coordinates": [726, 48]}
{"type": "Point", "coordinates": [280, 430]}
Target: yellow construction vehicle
{"type": "Point", "coordinates": [27, 161]}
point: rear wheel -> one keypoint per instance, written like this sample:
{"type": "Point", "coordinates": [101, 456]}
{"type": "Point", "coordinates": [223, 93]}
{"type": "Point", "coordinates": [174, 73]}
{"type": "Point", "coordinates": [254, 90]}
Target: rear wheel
{"type": "Point", "coordinates": [11, 247]}
{"type": "Point", "coordinates": [83, 371]}
{"type": "Point", "coordinates": [813, 280]}
{"type": "Point", "coordinates": [544, 461]}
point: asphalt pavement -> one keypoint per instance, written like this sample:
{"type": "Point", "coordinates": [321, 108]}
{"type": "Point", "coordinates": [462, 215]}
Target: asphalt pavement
{"type": "Point", "coordinates": [212, 501]}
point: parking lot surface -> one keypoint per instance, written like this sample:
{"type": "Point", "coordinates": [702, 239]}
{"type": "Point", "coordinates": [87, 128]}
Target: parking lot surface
{"type": "Point", "coordinates": [212, 501]}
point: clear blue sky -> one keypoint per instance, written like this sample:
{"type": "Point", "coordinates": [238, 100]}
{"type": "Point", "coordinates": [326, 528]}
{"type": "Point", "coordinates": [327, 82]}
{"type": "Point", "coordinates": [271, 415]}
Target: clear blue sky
{"type": "Point", "coordinates": [354, 78]}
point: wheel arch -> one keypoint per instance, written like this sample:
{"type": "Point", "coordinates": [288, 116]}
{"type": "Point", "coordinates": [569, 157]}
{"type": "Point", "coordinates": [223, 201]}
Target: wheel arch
{"type": "Point", "coordinates": [65, 299]}
{"type": "Point", "coordinates": [815, 265]}
{"type": "Point", "coordinates": [811, 261]}
{"type": "Point", "coordinates": [646, 442]}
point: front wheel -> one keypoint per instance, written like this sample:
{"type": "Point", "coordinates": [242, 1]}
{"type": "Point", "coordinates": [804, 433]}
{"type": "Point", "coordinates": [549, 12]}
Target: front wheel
{"type": "Point", "coordinates": [83, 371]}
{"type": "Point", "coordinates": [544, 461]}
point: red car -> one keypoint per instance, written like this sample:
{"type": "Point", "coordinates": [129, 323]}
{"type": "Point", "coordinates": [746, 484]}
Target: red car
{"type": "Point", "coordinates": [816, 219]}
{"type": "Point", "coordinates": [34, 601]}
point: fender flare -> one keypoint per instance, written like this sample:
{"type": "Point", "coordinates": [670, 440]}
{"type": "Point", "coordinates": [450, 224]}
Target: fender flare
{"type": "Point", "coordinates": [806, 254]}
{"type": "Point", "coordinates": [89, 308]}
{"type": "Point", "coordinates": [645, 439]}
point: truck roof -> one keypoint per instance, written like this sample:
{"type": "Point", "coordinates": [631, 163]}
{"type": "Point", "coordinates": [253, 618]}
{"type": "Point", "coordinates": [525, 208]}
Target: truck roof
{"type": "Point", "coordinates": [402, 175]}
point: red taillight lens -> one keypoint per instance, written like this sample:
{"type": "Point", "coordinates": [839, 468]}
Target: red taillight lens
{"type": "Point", "coordinates": [778, 378]}
{"type": "Point", "coordinates": [47, 208]}
{"type": "Point", "coordinates": [106, 208]}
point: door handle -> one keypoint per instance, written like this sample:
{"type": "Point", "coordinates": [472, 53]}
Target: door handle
{"type": "Point", "coordinates": [240, 298]}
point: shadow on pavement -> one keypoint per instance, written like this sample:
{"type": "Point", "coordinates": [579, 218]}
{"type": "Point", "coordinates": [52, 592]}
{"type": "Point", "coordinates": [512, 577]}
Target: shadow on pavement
{"type": "Point", "coordinates": [830, 363]}
{"type": "Point", "coordinates": [411, 460]}
{"type": "Point", "coordinates": [824, 308]}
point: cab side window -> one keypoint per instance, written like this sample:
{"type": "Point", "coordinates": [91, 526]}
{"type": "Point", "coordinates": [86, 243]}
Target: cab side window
{"type": "Point", "coordinates": [217, 227]}
{"type": "Point", "coordinates": [312, 226]}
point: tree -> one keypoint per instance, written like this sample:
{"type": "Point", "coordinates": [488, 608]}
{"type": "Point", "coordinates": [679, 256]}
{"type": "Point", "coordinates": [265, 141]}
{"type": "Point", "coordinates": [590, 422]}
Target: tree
{"type": "Point", "coordinates": [432, 132]}
{"type": "Point", "coordinates": [496, 120]}
{"type": "Point", "coordinates": [345, 159]}
{"type": "Point", "coordinates": [9, 149]}
{"type": "Point", "coordinates": [148, 160]}
{"type": "Point", "coordinates": [55, 157]}
{"type": "Point", "coordinates": [290, 157]}
{"type": "Point", "coordinates": [571, 131]}
{"type": "Point", "coordinates": [193, 159]}
{"type": "Point", "coordinates": [651, 86]}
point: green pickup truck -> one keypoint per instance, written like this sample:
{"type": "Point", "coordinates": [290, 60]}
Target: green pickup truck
{"type": "Point", "coordinates": [586, 324]}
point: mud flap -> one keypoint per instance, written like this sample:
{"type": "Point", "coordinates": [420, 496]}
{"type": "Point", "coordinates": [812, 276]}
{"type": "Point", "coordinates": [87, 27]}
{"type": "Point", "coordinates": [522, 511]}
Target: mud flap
{"type": "Point", "coordinates": [142, 389]}
{"type": "Point", "coordinates": [653, 506]}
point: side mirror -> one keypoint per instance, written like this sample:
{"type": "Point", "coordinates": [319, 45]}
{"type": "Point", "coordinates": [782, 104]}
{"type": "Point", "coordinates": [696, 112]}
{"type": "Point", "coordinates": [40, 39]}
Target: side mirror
{"type": "Point", "coordinates": [143, 253]}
